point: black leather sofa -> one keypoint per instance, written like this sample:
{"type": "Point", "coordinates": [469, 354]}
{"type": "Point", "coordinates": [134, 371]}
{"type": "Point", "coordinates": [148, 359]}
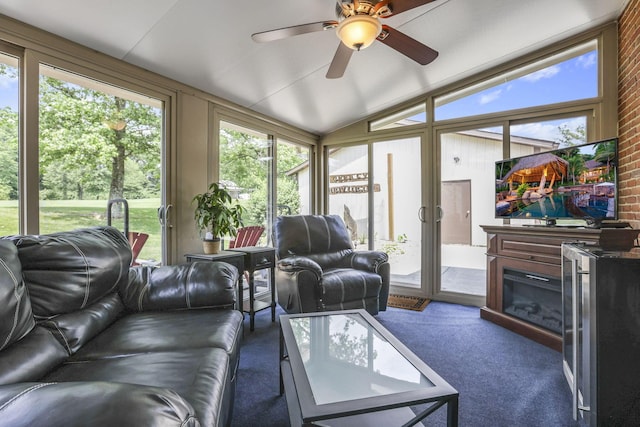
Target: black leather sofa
{"type": "Point", "coordinates": [87, 340]}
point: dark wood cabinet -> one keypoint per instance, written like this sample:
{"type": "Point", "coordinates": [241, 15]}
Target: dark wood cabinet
{"type": "Point", "coordinates": [535, 253]}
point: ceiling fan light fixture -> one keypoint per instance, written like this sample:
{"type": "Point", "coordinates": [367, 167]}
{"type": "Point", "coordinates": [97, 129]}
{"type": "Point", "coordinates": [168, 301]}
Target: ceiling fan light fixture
{"type": "Point", "coordinates": [358, 31]}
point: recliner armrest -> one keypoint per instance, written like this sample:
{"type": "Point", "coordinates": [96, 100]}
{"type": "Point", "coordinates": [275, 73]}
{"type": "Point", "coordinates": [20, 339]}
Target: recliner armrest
{"type": "Point", "coordinates": [368, 260]}
{"type": "Point", "coordinates": [294, 264]}
{"type": "Point", "coordinates": [184, 286]}
{"type": "Point", "coordinates": [98, 404]}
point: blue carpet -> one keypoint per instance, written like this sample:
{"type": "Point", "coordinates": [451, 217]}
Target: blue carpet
{"type": "Point", "coordinates": [503, 378]}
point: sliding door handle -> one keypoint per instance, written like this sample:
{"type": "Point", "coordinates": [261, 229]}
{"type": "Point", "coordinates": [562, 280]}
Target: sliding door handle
{"type": "Point", "coordinates": [421, 217]}
{"type": "Point", "coordinates": [167, 217]}
{"type": "Point", "coordinates": [440, 213]}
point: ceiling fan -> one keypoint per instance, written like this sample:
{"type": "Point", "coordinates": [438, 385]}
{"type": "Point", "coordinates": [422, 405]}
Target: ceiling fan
{"type": "Point", "coordinates": [358, 26]}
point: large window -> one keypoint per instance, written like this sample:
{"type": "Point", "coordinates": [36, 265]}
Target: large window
{"type": "Point", "coordinates": [9, 101]}
{"type": "Point", "coordinates": [98, 143]}
{"type": "Point", "coordinates": [348, 192]}
{"type": "Point", "coordinates": [293, 179]}
{"type": "Point", "coordinates": [245, 169]}
{"type": "Point", "coordinates": [570, 75]}
{"type": "Point", "coordinates": [266, 188]}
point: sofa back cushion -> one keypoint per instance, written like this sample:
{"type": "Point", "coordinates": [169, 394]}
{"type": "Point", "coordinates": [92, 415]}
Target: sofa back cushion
{"type": "Point", "coordinates": [310, 234]}
{"type": "Point", "coordinates": [187, 285]}
{"type": "Point", "coordinates": [74, 330]}
{"type": "Point", "coordinates": [27, 351]}
{"type": "Point", "coordinates": [16, 318]}
{"type": "Point", "coordinates": [69, 271]}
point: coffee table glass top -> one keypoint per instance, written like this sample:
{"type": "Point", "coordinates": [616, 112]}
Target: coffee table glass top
{"type": "Point", "coordinates": [347, 363]}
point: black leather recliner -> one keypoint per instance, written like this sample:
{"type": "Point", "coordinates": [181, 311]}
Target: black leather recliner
{"type": "Point", "coordinates": [318, 269]}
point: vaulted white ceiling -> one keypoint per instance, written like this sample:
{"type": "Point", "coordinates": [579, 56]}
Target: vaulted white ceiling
{"type": "Point", "coordinates": [207, 44]}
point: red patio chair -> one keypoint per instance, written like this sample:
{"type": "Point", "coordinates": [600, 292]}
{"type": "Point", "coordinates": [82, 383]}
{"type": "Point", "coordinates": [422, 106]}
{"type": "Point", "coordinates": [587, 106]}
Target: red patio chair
{"type": "Point", "coordinates": [137, 241]}
{"type": "Point", "coordinates": [247, 236]}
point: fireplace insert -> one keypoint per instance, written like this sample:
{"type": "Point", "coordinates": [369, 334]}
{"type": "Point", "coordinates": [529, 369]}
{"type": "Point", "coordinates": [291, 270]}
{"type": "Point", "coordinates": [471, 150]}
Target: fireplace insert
{"type": "Point", "coordinates": [534, 298]}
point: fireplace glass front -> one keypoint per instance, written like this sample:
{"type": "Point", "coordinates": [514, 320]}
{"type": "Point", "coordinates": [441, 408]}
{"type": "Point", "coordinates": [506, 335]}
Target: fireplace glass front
{"type": "Point", "coordinates": [534, 298]}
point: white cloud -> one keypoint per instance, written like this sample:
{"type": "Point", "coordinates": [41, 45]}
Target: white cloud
{"type": "Point", "coordinates": [588, 60]}
{"type": "Point", "coordinates": [490, 97]}
{"type": "Point", "coordinates": [545, 73]}
{"type": "Point", "coordinates": [6, 81]}
{"type": "Point", "coordinates": [547, 130]}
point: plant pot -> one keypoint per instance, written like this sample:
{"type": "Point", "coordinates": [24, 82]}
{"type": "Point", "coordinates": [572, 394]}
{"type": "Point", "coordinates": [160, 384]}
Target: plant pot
{"type": "Point", "coordinates": [211, 246]}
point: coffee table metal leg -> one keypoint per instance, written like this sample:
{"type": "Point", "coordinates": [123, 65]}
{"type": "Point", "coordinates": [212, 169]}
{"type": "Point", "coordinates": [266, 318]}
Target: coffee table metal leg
{"type": "Point", "coordinates": [280, 362]}
{"type": "Point", "coordinates": [452, 412]}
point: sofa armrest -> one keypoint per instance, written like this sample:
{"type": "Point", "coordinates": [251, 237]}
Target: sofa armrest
{"type": "Point", "coordinates": [294, 264]}
{"type": "Point", "coordinates": [376, 262]}
{"type": "Point", "coordinates": [298, 280]}
{"type": "Point", "coordinates": [368, 260]}
{"type": "Point", "coordinates": [98, 404]}
{"type": "Point", "coordinates": [184, 286]}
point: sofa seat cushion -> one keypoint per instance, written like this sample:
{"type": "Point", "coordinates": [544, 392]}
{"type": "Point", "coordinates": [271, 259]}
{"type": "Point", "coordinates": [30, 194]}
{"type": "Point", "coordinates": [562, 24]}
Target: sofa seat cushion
{"type": "Point", "coordinates": [199, 376]}
{"type": "Point", "coordinates": [95, 404]}
{"type": "Point", "coordinates": [167, 330]}
{"type": "Point", "coordinates": [342, 285]}
{"type": "Point", "coordinates": [31, 358]}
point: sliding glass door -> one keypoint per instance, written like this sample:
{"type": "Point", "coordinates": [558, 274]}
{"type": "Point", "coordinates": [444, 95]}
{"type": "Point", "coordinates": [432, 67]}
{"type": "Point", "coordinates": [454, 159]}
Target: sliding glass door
{"type": "Point", "coordinates": [467, 180]}
{"type": "Point", "coordinates": [376, 188]}
{"type": "Point", "coordinates": [397, 211]}
{"type": "Point", "coordinates": [467, 193]}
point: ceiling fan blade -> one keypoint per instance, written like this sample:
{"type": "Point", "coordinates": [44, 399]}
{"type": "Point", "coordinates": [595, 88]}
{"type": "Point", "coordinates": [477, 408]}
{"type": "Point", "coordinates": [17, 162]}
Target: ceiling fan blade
{"type": "Point", "coordinates": [339, 62]}
{"type": "Point", "coordinates": [407, 46]}
{"type": "Point", "coordinates": [281, 33]}
{"type": "Point", "coordinates": [399, 6]}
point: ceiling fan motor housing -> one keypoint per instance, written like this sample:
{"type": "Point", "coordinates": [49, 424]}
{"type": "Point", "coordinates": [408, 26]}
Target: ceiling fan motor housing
{"type": "Point", "coordinates": [377, 8]}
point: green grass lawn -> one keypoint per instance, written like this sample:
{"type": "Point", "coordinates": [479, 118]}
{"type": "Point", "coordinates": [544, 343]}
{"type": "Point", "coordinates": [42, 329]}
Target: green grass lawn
{"type": "Point", "coordinates": [62, 215]}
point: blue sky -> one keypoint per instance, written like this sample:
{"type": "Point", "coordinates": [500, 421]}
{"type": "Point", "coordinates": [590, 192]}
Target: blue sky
{"type": "Point", "coordinates": [8, 92]}
{"type": "Point", "coordinates": [576, 78]}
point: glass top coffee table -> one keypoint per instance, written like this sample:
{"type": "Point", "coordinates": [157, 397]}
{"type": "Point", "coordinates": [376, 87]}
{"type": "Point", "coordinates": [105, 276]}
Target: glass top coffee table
{"type": "Point", "coordinates": [343, 368]}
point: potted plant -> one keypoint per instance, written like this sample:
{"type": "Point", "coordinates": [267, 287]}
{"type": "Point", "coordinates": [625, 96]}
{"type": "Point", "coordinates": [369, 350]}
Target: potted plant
{"type": "Point", "coordinates": [216, 216]}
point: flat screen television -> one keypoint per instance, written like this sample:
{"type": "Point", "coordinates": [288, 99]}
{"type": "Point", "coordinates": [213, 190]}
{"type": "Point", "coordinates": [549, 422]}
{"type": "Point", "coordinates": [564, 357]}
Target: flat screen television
{"type": "Point", "coordinates": [573, 182]}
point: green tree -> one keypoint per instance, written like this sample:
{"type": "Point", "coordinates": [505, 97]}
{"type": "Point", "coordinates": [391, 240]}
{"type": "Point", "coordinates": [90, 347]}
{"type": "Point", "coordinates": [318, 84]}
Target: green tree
{"type": "Point", "coordinates": [8, 154]}
{"type": "Point", "coordinates": [87, 135]}
{"type": "Point", "coordinates": [576, 164]}
{"type": "Point", "coordinates": [605, 153]}
{"type": "Point", "coordinates": [245, 161]}
{"type": "Point", "coordinates": [569, 137]}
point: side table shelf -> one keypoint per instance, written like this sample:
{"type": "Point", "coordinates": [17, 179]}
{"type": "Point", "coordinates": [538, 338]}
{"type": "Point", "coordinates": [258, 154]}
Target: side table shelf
{"type": "Point", "coordinates": [258, 258]}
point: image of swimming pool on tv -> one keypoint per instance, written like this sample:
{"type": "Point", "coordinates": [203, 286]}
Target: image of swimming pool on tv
{"type": "Point", "coordinates": [570, 204]}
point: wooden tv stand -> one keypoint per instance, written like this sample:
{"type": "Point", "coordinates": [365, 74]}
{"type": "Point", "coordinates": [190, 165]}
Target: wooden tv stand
{"type": "Point", "coordinates": [537, 250]}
